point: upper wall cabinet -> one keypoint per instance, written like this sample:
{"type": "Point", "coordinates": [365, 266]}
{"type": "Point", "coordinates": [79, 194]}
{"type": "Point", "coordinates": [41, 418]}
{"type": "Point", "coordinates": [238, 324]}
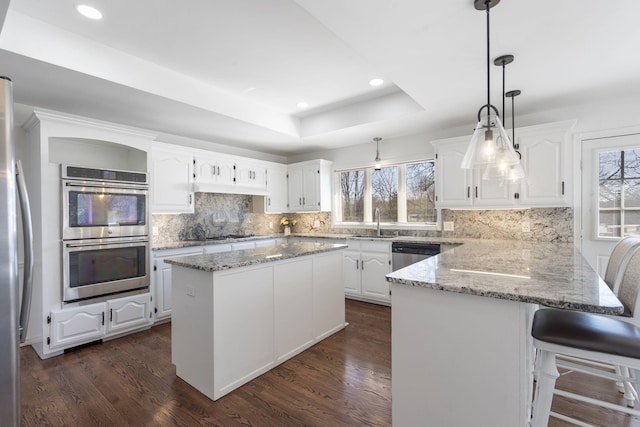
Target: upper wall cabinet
{"type": "Point", "coordinates": [221, 173]}
{"type": "Point", "coordinates": [310, 186]}
{"type": "Point", "coordinates": [276, 199]}
{"type": "Point", "coordinates": [545, 151]}
{"type": "Point", "coordinates": [171, 179]}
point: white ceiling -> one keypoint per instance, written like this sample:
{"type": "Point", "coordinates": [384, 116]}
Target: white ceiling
{"type": "Point", "coordinates": [233, 71]}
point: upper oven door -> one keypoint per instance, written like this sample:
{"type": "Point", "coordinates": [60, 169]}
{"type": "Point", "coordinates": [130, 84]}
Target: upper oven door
{"type": "Point", "coordinates": [93, 210]}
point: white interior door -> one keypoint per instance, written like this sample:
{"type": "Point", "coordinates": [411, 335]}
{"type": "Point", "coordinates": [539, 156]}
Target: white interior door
{"type": "Point", "coordinates": [610, 195]}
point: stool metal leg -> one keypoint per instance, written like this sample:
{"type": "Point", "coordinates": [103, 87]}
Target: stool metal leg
{"type": "Point", "coordinates": [546, 381]}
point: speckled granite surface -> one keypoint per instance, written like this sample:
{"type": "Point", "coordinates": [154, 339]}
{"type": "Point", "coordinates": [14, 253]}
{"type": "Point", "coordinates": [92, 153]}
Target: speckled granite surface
{"type": "Point", "coordinates": [243, 258]}
{"type": "Point", "coordinates": [551, 274]}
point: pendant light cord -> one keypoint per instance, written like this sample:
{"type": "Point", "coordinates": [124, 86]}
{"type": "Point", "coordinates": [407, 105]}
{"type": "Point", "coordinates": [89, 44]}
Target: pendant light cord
{"type": "Point", "coordinates": [487, 4]}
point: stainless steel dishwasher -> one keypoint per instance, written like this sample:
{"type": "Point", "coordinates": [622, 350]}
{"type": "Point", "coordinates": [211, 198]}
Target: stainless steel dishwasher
{"type": "Point", "coordinates": [407, 253]}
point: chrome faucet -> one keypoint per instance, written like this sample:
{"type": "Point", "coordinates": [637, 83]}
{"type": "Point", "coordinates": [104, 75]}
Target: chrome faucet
{"type": "Point", "coordinates": [377, 216]}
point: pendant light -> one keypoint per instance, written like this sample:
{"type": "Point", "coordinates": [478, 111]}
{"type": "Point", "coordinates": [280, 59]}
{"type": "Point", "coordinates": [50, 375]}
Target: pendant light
{"type": "Point", "coordinates": [378, 163]}
{"type": "Point", "coordinates": [512, 173]}
{"type": "Point", "coordinates": [490, 146]}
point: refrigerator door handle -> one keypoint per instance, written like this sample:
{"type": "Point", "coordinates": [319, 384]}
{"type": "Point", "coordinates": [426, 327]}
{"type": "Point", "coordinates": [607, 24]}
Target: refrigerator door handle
{"type": "Point", "coordinates": [27, 229]}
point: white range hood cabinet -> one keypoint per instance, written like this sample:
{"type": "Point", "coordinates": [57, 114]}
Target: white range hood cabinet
{"type": "Point", "coordinates": [217, 188]}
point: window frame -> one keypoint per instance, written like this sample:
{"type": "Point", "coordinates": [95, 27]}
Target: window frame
{"type": "Point", "coordinates": [368, 220]}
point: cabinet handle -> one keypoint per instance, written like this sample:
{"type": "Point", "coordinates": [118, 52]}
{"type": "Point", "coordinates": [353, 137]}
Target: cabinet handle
{"type": "Point", "coordinates": [213, 170]}
{"type": "Point", "coordinates": [103, 317]}
{"type": "Point", "coordinates": [357, 264]}
{"type": "Point", "coordinates": [362, 265]}
{"type": "Point", "coordinates": [300, 200]}
{"type": "Point", "coordinates": [111, 315]}
{"type": "Point", "coordinates": [268, 201]}
{"type": "Point", "coordinates": [563, 188]}
{"type": "Point", "coordinates": [468, 191]}
{"type": "Point", "coordinates": [189, 199]}
{"type": "Point", "coordinates": [304, 200]}
{"type": "Point", "coordinates": [476, 191]}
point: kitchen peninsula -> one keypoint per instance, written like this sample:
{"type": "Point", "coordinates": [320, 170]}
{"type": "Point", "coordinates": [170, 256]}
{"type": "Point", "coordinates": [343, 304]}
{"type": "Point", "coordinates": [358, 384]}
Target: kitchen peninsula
{"type": "Point", "coordinates": [238, 314]}
{"type": "Point", "coordinates": [461, 347]}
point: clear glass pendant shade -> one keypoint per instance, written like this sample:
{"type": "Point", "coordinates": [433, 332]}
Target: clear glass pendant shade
{"type": "Point", "coordinates": [510, 174]}
{"type": "Point", "coordinates": [490, 147]}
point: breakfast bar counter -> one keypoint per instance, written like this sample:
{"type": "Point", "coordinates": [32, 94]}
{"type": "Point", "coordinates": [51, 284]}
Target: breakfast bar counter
{"type": "Point", "coordinates": [461, 346]}
{"type": "Point", "coordinates": [238, 314]}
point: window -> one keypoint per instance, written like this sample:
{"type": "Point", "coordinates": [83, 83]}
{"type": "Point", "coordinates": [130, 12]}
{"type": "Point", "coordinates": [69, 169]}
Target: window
{"type": "Point", "coordinates": [403, 193]}
{"type": "Point", "coordinates": [619, 193]}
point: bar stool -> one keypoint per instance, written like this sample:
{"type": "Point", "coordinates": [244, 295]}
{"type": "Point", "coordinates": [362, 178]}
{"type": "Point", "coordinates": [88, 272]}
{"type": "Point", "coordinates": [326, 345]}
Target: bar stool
{"type": "Point", "coordinates": [603, 339]}
{"type": "Point", "coordinates": [618, 261]}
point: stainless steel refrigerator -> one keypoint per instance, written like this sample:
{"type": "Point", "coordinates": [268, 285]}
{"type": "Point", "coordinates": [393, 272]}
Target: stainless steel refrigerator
{"type": "Point", "coordinates": [14, 314]}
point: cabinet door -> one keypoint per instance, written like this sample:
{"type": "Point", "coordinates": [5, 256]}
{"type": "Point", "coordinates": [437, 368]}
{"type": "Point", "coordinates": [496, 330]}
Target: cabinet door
{"type": "Point", "coordinates": [296, 189]}
{"type": "Point", "coordinates": [311, 188]}
{"type": "Point", "coordinates": [171, 178]}
{"type": "Point", "coordinates": [543, 160]}
{"type": "Point", "coordinates": [492, 193]}
{"type": "Point", "coordinates": [276, 201]}
{"type": "Point", "coordinates": [128, 313]}
{"type": "Point", "coordinates": [375, 266]}
{"type": "Point", "coordinates": [74, 326]}
{"type": "Point", "coordinates": [293, 298]}
{"type": "Point", "coordinates": [251, 174]}
{"type": "Point", "coordinates": [162, 279]}
{"type": "Point", "coordinates": [351, 272]}
{"type": "Point", "coordinates": [453, 184]}
{"type": "Point", "coordinates": [226, 170]}
{"type": "Point", "coordinates": [205, 170]}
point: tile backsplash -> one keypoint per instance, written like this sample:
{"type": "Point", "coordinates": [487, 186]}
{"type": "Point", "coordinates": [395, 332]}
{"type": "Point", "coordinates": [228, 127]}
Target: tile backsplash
{"type": "Point", "coordinates": [222, 214]}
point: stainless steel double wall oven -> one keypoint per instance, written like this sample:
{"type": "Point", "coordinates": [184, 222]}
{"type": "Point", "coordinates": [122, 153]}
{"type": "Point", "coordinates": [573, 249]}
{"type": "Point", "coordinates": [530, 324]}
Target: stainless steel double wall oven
{"type": "Point", "coordinates": [105, 232]}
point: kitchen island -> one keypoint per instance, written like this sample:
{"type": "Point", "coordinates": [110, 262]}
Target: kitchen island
{"type": "Point", "coordinates": [462, 353]}
{"type": "Point", "coordinates": [238, 314]}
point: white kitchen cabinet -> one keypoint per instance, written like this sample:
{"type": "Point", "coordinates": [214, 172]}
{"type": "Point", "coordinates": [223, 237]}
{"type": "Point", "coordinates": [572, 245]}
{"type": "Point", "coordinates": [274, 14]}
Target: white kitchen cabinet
{"type": "Point", "coordinates": [310, 186]}
{"type": "Point", "coordinates": [545, 152]}
{"type": "Point", "coordinates": [252, 174]}
{"type": "Point", "coordinates": [162, 276]}
{"type": "Point", "coordinates": [73, 326]}
{"type": "Point", "coordinates": [365, 265]}
{"type": "Point", "coordinates": [277, 195]}
{"type": "Point", "coordinates": [78, 325]}
{"type": "Point", "coordinates": [213, 169]}
{"type": "Point", "coordinates": [546, 156]}
{"type": "Point", "coordinates": [460, 188]}
{"type": "Point", "coordinates": [129, 313]}
{"type": "Point", "coordinates": [171, 179]}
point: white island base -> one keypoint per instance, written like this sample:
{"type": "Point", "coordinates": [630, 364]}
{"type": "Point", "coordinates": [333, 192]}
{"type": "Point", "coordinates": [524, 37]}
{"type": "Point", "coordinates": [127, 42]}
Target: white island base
{"type": "Point", "coordinates": [459, 360]}
{"type": "Point", "coordinates": [230, 326]}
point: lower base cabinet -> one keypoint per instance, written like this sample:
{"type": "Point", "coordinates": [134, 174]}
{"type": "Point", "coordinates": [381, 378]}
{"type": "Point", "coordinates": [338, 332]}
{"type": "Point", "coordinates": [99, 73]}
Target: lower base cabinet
{"type": "Point", "coordinates": [79, 325]}
{"type": "Point", "coordinates": [366, 263]}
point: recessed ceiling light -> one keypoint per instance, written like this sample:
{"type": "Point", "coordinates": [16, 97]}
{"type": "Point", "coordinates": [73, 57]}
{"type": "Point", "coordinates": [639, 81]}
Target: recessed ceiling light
{"type": "Point", "coordinates": [303, 105]}
{"type": "Point", "coordinates": [89, 11]}
{"type": "Point", "coordinates": [376, 82]}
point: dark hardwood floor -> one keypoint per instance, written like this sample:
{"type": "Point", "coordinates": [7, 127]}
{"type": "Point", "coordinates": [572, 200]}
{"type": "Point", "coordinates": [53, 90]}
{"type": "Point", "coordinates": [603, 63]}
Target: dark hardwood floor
{"type": "Point", "coordinates": [344, 380]}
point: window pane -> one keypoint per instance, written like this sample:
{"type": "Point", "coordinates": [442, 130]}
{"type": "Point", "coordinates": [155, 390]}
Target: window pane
{"type": "Point", "coordinates": [420, 192]}
{"type": "Point", "coordinates": [352, 188]}
{"type": "Point", "coordinates": [632, 193]}
{"type": "Point", "coordinates": [609, 224]}
{"type": "Point", "coordinates": [610, 163]}
{"type": "Point", "coordinates": [610, 194]}
{"type": "Point", "coordinates": [384, 193]}
{"type": "Point", "coordinates": [631, 164]}
{"type": "Point", "coordinates": [632, 223]}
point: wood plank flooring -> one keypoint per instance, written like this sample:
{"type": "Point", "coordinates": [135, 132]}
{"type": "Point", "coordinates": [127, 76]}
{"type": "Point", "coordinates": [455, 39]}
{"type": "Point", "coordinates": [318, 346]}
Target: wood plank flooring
{"type": "Point", "coordinates": [344, 380]}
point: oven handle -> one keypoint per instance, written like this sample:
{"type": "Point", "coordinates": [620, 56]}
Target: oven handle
{"type": "Point", "coordinates": [91, 185]}
{"type": "Point", "coordinates": [83, 245]}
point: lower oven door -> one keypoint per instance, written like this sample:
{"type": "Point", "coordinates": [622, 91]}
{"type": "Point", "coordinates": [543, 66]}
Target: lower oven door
{"type": "Point", "coordinates": [97, 267]}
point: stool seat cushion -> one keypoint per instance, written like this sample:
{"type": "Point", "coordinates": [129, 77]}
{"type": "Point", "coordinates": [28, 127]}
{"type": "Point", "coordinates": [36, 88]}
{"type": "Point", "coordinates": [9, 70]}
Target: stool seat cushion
{"type": "Point", "coordinates": [587, 332]}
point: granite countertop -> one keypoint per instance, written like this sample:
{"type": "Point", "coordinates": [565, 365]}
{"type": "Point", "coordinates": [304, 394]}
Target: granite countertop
{"type": "Point", "coordinates": [242, 258]}
{"type": "Point", "coordinates": [554, 275]}
{"type": "Point", "coordinates": [189, 243]}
